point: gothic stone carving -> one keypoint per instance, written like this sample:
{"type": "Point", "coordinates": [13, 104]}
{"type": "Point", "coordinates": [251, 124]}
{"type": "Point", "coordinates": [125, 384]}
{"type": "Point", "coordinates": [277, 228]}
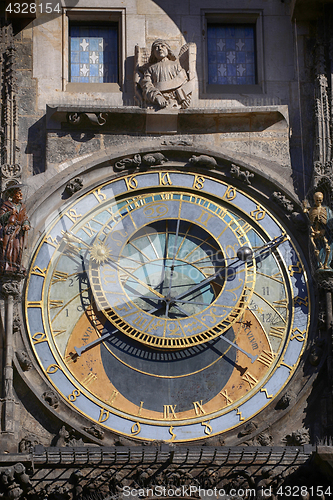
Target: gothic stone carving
{"type": "Point", "coordinates": [148, 160]}
{"type": "Point", "coordinates": [242, 175]}
{"type": "Point", "coordinates": [51, 398]}
{"type": "Point", "coordinates": [203, 161]}
{"type": "Point", "coordinates": [14, 225]}
{"type": "Point", "coordinates": [74, 186]}
{"type": "Point", "coordinates": [163, 80]}
{"type": "Point", "coordinates": [24, 360]}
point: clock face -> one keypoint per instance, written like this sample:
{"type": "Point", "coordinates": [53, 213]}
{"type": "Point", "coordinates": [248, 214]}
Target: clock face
{"type": "Point", "coordinates": [167, 305]}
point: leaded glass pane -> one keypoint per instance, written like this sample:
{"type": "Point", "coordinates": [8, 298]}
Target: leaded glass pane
{"type": "Point", "coordinates": [231, 54]}
{"type": "Point", "coordinates": [94, 53]}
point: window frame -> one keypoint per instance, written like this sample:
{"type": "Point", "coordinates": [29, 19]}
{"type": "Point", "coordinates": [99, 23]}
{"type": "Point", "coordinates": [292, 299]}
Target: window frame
{"type": "Point", "coordinates": [233, 17]}
{"type": "Point", "coordinates": [86, 15]}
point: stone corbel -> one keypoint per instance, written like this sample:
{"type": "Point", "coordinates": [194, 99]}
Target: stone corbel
{"type": "Point", "coordinates": [94, 118]}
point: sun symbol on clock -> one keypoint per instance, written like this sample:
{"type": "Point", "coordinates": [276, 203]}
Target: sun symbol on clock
{"type": "Point", "coordinates": [100, 253]}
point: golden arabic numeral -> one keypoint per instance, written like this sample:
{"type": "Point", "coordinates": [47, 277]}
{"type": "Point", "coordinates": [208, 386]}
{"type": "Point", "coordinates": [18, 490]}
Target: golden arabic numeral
{"type": "Point", "coordinates": [295, 268]}
{"type": "Point", "coordinates": [131, 182]}
{"type": "Point", "coordinates": [230, 193]}
{"type": "Point", "coordinates": [198, 182]}
{"type": "Point", "coordinates": [198, 408]}
{"type": "Point", "coordinates": [72, 215]}
{"type": "Point", "coordinates": [208, 428]}
{"type": "Point", "coordinates": [39, 337]}
{"type": "Point", "coordinates": [104, 415]}
{"type": "Point", "coordinates": [135, 429]}
{"type": "Point", "coordinates": [74, 395]}
{"type": "Point", "coordinates": [169, 411]}
{"type": "Point", "coordinates": [53, 368]}
{"type": "Point", "coordinates": [99, 195]}
{"type": "Point", "coordinates": [258, 214]}
{"type": "Point", "coordinates": [173, 435]}
{"type": "Point", "coordinates": [300, 336]}
{"type": "Point", "coordinates": [164, 179]}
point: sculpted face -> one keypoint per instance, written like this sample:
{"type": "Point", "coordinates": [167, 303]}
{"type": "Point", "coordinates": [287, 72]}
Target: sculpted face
{"type": "Point", "coordinates": [17, 196]}
{"type": "Point", "coordinates": [160, 51]}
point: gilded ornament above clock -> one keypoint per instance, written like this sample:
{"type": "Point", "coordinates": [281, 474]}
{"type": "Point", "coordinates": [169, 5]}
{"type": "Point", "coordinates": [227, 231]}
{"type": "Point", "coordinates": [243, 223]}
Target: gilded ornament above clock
{"type": "Point", "coordinates": [167, 305]}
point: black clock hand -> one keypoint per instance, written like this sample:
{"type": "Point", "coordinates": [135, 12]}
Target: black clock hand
{"type": "Point", "coordinates": [172, 272]}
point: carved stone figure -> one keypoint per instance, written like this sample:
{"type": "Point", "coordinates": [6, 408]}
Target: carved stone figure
{"type": "Point", "coordinates": [165, 80]}
{"type": "Point", "coordinates": [242, 175]}
{"type": "Point", "coordinates": [14, 224]}
{"type": "Point", "coordinates": [74, 186]}
{"type": "Point", "coordinates": [321, 220]}
{"type": "Point", "coordinates": [203, 161]}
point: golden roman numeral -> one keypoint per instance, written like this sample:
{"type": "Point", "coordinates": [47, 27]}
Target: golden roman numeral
{"type": "Point", "coordinates": [198, 408]}
{"type": "Point", "coordinates": [295, 268]}
{"type": "Point", "coordinates": [266, 358]}
{"type": "Point", "coordinates": [59, 276]}
{"type": "Point", "coordinates": [34, 303]}
{"type": "Point", "coordinates": [38, 271]}
{"type": "Point", "coordinates": [204, 217]}
{"type": "Point", "coordinates": [58, 332]}
{"type": "Point", "coordinates": [51, 241]}
{"type": "Point", "coordinates": [252, 381]}
{"type": "Point", "coordinates": [112, 398]}
{"type": "Point", "coordinates": [91, 377]}
{"type": "Point", "coordinates": [90, 231]}
{"type": "Point", "coordinates": [55, 303]}
{"type": "Point", "coordinates": [277, 331]}
{"type": "Point", "coordinates": [169, 411]}
{"type": "Point", "coordinates": [283, 303]}
{"type": "Point", "coordinates": [228, 400]}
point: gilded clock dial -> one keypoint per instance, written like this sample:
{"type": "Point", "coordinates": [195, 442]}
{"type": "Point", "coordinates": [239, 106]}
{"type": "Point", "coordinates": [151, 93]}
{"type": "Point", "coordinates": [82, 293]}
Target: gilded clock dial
{"type": "Point", "coordinates": [145, 317]}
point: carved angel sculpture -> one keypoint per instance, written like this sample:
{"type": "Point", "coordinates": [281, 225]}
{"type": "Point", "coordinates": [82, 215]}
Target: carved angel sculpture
{"type": "Point", "coordinates": [162, 79]}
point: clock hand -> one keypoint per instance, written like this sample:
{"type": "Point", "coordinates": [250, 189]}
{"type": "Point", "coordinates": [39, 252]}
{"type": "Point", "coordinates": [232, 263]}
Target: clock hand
{"type": "Point", "coordinates": [252, 358]}
{"type": "Point", "coordinates": [172, 271]}
{"type": "Point", "coordinates": [118, 266]}
{"type": "Point", "coordinates": [244, 254]}
{"type": "Point", "coordinates": [81, 350]}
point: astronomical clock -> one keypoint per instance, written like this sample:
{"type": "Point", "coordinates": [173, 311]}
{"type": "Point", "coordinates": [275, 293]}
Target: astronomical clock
{"type": "Point", "coordinates": [167, 304]}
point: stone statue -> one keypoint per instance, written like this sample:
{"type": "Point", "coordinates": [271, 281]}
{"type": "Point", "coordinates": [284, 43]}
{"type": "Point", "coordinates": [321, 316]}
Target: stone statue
{"type": "Point", "coordinates": [321, 234]}
{"type": "Point", "coordinates": [14, 224]}
{"type": "Point", "coordinates": [165, 80]}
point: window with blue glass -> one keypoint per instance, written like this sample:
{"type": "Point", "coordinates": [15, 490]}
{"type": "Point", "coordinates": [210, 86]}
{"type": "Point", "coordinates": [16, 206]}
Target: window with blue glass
{"type": "Point", "coordinates": [231, 54]}
{"type": "Point", "coordinates": [93, 53]}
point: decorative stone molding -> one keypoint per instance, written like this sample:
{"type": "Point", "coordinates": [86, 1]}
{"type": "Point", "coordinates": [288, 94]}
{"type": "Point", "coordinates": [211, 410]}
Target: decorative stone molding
{"type": "Point", "coordinates": [242, 175]}
{"type": "Point", "coordinates": [95, 431]}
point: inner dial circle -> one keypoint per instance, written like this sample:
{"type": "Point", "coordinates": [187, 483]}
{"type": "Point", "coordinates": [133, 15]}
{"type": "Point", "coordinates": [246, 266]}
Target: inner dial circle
{"type": "Point", "coordinates": [177, 263]}
{"type": "Point", "coordinates": [174, 281]}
